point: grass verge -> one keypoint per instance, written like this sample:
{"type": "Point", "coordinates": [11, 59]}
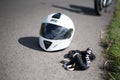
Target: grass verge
{"type": "Point", "coordinates": [113, 45]}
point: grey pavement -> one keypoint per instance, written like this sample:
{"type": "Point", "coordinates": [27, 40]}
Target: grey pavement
{"type": "Point", "coordinates": [21, 58]}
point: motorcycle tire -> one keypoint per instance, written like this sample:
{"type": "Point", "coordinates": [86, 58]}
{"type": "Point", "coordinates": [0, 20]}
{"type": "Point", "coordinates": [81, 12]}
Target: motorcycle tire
{"type": "Point", "coordinates": [99, 10]}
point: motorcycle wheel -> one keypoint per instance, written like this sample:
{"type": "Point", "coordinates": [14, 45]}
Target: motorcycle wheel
{"type": "Point", "coordinates": [98, 6]}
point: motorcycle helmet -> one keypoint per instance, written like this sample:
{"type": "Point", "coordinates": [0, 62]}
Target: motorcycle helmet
{"type": "Point", "coordinates": [56, 32]}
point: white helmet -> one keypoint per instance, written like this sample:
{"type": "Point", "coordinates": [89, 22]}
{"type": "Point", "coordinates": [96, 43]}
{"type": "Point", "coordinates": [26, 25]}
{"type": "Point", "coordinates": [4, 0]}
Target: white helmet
{"type": "Point", "coordinates": [56, 32]}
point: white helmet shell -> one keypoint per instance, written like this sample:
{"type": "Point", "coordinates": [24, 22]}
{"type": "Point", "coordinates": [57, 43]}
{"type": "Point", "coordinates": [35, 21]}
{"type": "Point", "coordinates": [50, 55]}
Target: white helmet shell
{"type": "Point", "coordinates": [56, 32]}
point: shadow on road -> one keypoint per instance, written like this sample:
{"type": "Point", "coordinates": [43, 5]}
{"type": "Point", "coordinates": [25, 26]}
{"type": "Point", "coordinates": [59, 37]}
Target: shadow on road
{"type": "Point", "coordinates": [78, 9]}
{"type": "Point", "coordinates": [30, 42]}
{"type": "Point", "coordinates": [33, 43]}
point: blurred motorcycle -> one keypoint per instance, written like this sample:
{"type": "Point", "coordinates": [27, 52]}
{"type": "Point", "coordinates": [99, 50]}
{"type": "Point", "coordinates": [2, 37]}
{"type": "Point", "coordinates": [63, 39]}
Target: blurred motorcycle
{"type": "Point", "coordinates": [101, 5]}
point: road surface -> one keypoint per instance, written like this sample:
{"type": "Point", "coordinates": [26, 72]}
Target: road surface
{"type": "Point", "coordinates": [21, 58]}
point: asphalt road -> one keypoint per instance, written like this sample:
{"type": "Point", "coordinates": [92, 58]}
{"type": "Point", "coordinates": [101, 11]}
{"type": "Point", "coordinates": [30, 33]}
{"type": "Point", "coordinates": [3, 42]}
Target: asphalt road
{"type": "Point", "coordinates": [21, 58]}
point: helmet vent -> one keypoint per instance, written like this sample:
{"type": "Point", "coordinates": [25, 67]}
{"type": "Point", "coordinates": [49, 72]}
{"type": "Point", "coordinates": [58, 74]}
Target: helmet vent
{"type": "Point", "coordinates": [57, 16]}
{"type": "Point", "coordinates": [47, 44]}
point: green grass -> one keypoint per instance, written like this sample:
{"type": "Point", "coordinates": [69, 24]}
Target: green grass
{"type": "Point", "coordinates": [113, 42]}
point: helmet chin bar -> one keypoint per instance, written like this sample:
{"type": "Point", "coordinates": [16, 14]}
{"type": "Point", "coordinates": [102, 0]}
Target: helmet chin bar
{"type": "Point", "coordinates": [53, 45]}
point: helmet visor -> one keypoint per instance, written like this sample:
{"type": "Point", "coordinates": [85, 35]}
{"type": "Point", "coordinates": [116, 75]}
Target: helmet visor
{"type": "Point", "coordinates": [54, 32]}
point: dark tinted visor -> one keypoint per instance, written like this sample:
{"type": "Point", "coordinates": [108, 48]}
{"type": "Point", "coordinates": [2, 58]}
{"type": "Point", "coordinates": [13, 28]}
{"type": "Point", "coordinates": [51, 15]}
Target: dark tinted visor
{"type": "Point", "coordinates": [54, 32]}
